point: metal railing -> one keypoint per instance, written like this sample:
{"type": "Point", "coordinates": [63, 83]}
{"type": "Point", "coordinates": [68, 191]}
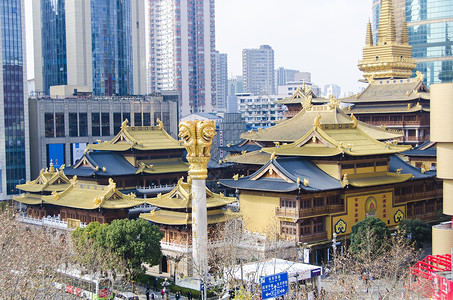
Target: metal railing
{"type": "Point", "coordinates": [49, 221]}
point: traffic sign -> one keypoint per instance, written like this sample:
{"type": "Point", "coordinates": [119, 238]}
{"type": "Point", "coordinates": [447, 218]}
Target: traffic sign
{"type": "Point", "coordinates": [274, 285]}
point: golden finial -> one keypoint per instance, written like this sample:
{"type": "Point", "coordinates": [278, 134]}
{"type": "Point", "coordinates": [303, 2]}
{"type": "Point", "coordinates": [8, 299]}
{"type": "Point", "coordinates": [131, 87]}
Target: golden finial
{"type": "Point", "coordinates": [271, 171]}
{"type": "Point", "coordinates": [317, 122]}
{"type": "Point", "coordinates": [73, 180]}
{"type": "Point", "coordinates": [298, 181]}
{"type": "Point", "coordinates": [420, 76]}
{"type": "Point", "coordinates": [345, 180]}
{"type": "Point", "coordinates": [104, 169]}
{"type": "Point", "coordinates": [273, 155]}
{"type": "Point", "coordinates": [314, 140]}
{"type": "Point", "coordinates": [408, 106]}
{"type": "Point", "coordinates": [236, 176]}
{"type": "Point", "coordinates": [306, 182]}
{"type": "Point", "coordinates": [243, 152]}
{"type": "Point", "coordinates": [124, 124]}
{"type": "Point", "coordinates": [160, 124]}
{"type": "Point", "coordinates": [354, 121]}
{"type": "Point", "coordinates": [52, 169]}
{"type": "Point", "coordinates": [220, 161]}
{"type": "Point", "coordinates": [97, 168]}
{"type": "Point", "coordinates": [303, 85]}
{"type": "Point", "coordinates": [112, 183]}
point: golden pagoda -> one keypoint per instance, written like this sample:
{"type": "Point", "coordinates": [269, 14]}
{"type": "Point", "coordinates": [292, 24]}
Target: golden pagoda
{"type": "Point", "coordinates": [388, 58]}
{"type": "Point", "coordinates": [173, 212]}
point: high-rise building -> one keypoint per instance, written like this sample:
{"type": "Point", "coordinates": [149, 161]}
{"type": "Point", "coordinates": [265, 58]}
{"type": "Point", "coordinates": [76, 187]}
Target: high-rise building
{"type": "Point", "coordinates": [332, 89]}
{"type": "Point", "coordinates": [221, 69]}
{"type": "Point", "coordinates": [258, 70]}
{"type": "Point", "coordinates": [97, 44]}
{"type": "Point", "coordinates": [14, 152]}
{"type": "Point", "coordinates": [430, 27]}
{"type": "Point", "coordinates": [181, 43]}
{"type": "Point", "coordinates": [282, 76]}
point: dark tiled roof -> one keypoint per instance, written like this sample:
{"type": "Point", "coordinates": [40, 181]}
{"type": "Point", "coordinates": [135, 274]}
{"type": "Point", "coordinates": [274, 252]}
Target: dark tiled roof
{"type": "Point", "coordinates": [293, 168]}
{"type": "Point", "coordinates": [115, 165]}
{"type": "Point", "coordinates": [397, 163]}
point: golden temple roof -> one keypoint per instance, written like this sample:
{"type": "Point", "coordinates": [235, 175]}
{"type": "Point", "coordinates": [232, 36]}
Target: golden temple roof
{"type": "Point", "coordinates": [377, 178]}
{"type": "Point", "coordinates": [85, 196]}
{"type": "Point", "coordinates": [388, 58]}
{"type": "Point", "coordinates": [181, 197]}
{"type": "Point", "coordinates": [47, 181]}
{"type": "Point", "coordinates": [298, 126]}
{"type": "Point", "coordinates": [252, 158]}
{"type": "Point", "coordinates": [332, 139]}
{"type": "Point", "coordinates": [160, 166]}
{"type": "Point", "coordinates": [139, 138]}
{"type": "Point", "coordinates": [392, 90]}
{"type": "Point", "coordinates": [168, 217]}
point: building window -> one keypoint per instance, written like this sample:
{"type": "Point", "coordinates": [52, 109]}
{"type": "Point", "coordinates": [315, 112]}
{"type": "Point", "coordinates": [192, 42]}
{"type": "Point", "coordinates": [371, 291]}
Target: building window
{"type": "Point", "coordinates": [105, 124]}
{"type": "Point", "coordinates": [137, 119]}
{"type": "Point", "coordinates": [95, 124]}
{"type": "Point", "coordinates": [146, 119]}
{"type": "Point", "coordinates": [117, 120]}
{"type": "Point", "coordinates": [59, 125]}
{"type": "Point", "coordinates": [73, 125]}
{"type": "Point", "coordinates": [49, 125]}
{"type": "Point", "coordinates": [83, 124]}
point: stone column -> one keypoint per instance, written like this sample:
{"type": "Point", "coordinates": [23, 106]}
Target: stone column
{"type": "Point", "coordinates": [197, 137]}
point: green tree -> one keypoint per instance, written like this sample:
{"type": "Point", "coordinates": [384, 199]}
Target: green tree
{"type": "Point", "coordinates": [416, 231]}
{"type": "Point", "coordinates": [135, 241]}
{"type": "Point", "coordinates": [370, 236]}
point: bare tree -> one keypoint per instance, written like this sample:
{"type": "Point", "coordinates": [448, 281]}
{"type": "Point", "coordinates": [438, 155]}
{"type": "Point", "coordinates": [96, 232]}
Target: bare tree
{"type": "Point", "coordinates": [29, 258]}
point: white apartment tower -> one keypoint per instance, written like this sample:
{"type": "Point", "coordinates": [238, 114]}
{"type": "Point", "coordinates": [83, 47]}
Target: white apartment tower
{"type": "Point", "coordinates": [182, 51]}
{"type": "Point", "coordinates": [258, 70]}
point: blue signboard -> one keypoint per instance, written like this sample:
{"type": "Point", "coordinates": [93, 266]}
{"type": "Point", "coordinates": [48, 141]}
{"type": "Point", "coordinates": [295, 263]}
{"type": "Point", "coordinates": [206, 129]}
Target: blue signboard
{"type": "Point", "coordinates": [315, 272]}
{"type": "Point", "coordinates": [274, 285]}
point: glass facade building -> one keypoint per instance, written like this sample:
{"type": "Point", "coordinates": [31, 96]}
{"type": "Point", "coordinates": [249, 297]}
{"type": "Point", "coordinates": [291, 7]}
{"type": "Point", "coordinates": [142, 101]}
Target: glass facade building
{"type": "Point", "coordinates": [13, 156]}
{"type": "Point", "coordinates": [54, 43]}
{"type": "Point", "coordinates": [430, 26]}
{"type": "Point", "coordinates": [111, 47]}
{"type": "Point", "coordinates": [88, 43]}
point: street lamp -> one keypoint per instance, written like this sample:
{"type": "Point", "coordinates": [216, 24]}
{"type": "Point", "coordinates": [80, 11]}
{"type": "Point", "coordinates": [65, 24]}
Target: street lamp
{"type": "Point", "coordinates": [334, 246]}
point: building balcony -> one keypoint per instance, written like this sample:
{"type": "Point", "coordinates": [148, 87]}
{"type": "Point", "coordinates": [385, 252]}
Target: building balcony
{"type": "Point", "coordinates": [308, 212]}
{"type": "Point", "coordinates": [418, 196]}
{"type": "Point", "coordinates": [313, 237]}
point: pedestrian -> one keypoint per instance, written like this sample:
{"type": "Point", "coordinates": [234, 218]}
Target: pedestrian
{"type": "Point", "coordinates": [155, 284]}
{"type": "Point", "coordinates": [189, 295]}
{"type": "Point", "coordinates": [153, 296]}
{"type": "Point", "coordinates": [177, 295]}
{"type": "Point", "coordinates": [147, 293]}
{"type": "Point", "coordinates": [162, 292]}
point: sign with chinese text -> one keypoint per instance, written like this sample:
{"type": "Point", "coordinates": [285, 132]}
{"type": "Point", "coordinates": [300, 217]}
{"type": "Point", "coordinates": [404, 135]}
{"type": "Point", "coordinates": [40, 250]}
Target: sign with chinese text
{"type": "Point", "coordinates": [274, 285]}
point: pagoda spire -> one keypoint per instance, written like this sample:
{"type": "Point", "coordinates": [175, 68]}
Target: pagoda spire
{"type": "Point", "coordinates": [387, 28]}
{"type": "Point", "coordinates": [388, 58]}
{"type": "Point", "coordinates": [369, 35]}
{"type": "Point", "coordinates": [405, 34]}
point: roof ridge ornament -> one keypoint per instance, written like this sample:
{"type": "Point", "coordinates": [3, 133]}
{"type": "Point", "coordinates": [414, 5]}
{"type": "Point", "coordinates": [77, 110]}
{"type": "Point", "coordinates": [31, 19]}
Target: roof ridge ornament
{"type": "Point", "coordinates": [354, 121]}
{"type": "Point", "coordinates": [420, 76]}
{"type": "Point", "coordinates": [317, 121]}
{"type": "Point", "coordinates": [160, 125]}
{"type": "Point", "coordinates": [306, 104]}
{"type": "Point", "coordinates": [124, 124]}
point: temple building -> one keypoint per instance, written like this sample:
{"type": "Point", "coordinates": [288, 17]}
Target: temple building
{"type": "Point", "coordinates": [392, 99]}
{"type": "Point", "coordinates": [173, 215]}
{"type": "Point", "coordinates": [143, 159]}
{"type": "Point", "coordinates": [53, 194]}
{"type": "Point", "coordinates": [326, 171]}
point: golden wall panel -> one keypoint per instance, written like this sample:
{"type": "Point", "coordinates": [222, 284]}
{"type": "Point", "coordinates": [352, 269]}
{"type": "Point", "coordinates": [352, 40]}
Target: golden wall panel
{"type": "Point", "coordinates": [361, 205]}
{"type": "Point", "coordinates": [258, 213]}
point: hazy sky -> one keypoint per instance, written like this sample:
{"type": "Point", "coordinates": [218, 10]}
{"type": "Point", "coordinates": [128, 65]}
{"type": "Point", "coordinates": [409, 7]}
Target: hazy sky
{"type": "Point", "coordinates": [324, 37]}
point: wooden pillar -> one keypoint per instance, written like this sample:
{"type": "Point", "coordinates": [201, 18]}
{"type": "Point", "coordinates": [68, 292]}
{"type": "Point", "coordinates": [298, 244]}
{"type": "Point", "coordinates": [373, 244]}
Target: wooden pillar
{"type": "Point", "coordinates": [297, 231]}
